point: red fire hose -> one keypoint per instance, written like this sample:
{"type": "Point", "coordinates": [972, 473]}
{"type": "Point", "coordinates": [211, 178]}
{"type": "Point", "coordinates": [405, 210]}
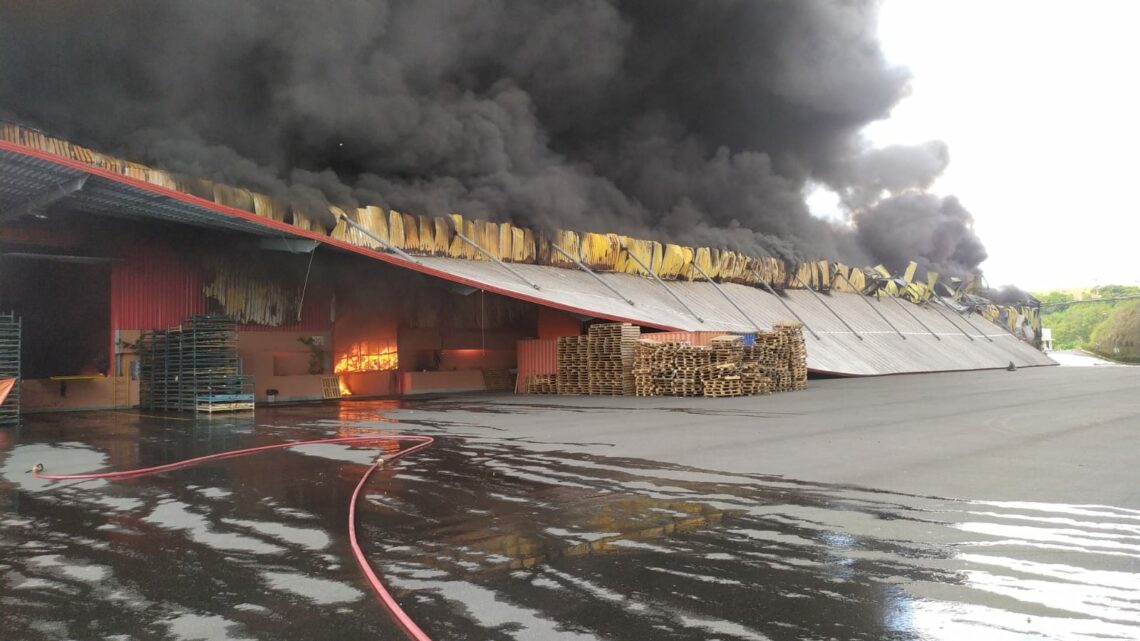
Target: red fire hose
{"type": "Point", "coordinates": [394, 609]}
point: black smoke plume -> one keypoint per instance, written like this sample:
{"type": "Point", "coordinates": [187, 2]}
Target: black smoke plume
{"type": "Point", "coordinates": [700, 122]}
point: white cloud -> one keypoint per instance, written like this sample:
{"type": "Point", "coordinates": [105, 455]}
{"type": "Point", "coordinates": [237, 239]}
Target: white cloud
{"type": "Point", "coordinates": [1038, 103]}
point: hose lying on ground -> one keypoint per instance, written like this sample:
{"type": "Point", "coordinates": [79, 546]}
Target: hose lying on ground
{"type": "Point", "coordinates": [397, 613]}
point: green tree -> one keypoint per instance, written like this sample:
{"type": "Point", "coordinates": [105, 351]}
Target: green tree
{"type": "Point", "coordinates": [1118, 337]}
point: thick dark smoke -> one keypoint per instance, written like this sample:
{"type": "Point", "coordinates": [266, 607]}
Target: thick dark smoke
{"type": "Point", "coordinates": [935, 231]}
{"type": "Point", "coordinates": [695, 121]}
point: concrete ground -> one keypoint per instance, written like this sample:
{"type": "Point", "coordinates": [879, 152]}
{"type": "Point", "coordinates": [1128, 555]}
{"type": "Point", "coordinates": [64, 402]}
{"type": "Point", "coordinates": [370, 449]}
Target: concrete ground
{"type": "Point", "coordinates": [833, 513]}
{"type": "Point", "coordinates": [1067, 435]}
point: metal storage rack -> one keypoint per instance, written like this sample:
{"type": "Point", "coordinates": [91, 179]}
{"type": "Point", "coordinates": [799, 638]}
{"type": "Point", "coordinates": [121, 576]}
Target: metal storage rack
{"type": "Point", "coordinates": [194, 368]}
{"type": "Point", "coordinates": [10, 334]}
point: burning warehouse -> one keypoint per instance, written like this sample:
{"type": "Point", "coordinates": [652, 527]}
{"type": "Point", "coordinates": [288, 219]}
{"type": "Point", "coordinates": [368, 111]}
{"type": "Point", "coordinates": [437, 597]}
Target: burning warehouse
{"type": "Point", "coordinates": [391, 303]}
{"type": "Point", "coordinates": [406, 218]}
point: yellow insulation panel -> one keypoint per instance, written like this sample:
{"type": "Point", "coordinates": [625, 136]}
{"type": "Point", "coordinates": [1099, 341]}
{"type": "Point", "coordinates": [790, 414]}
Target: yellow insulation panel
{"type": "Point", "coordinates": [570, 242]}
{"type": "Point", "coordinates": [340, 230]}
{"type": "Point", "coordinates": [824, 274]}
{"type": "Point", "coordinates": [470, 231]}
{"type": "Point", "coordinates": [703, 258]}
{"type": "Point", "coordinates": [487, 235]}
{"type": "Point", "coordinates": [233, 197]}
{"type": "Point", "coordinates": [455, 248]}
{"type": "Point", "coordinates": [839, 281]}
{"type": "Point", "coordinates": [634, 247]}
{"type": "Point", "coordinates": [674, 260]}
{"type": "Point", "coordinates": [302, 220]}
{"type": "Point", "coordinates": [442, 237]}
{"type": "Point", "coordinates": [396, 234]}
{"type": "Point", "coordinates": [911, 268]}
{"type": "Point", "coordinates": [506, 242]}
{"type": "Point", "coordinates": [411, 232]}
{"type": "Point", "coordinates": [426, 234]}
{"type": "Point", "coordinates": [521, 252]}
{"type": "Point", "coordinates": [266, 207]}
{"type": "Point", "coordinates": [600, 251]}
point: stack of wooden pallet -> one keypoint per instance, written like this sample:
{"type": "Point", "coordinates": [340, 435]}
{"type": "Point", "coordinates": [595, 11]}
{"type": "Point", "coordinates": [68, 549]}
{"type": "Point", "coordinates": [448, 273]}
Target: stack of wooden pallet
{"type": "Point", "coordinates": [194, 368]}
{"type": "Point", "coordinates": [728, 349]}
{"type": "Point", "coordinates": [721, 377]}
{"type": "Point", "coordinates": [723, 386]}
{"type": "Point", "coordinates": [753, 380]}
{"type": "Point", "coordinates": [573, 365]}
{"type": "Point", "coordinates": [644, 359]}
{"type": "Point", "coordinates": [688, 362]}
{"type": "Point", "coordinates": [10, 334]}
{"type": "Point", "coordinates": [770, 353]}
{"type": "Point", "coordinates": [611, 349]}
{"type": "Point", "coordinates": [796, 352]}
{"type": "Point", "coordinates": [498, 380]}
{"type": "Point", "coordinates": [542, 384]}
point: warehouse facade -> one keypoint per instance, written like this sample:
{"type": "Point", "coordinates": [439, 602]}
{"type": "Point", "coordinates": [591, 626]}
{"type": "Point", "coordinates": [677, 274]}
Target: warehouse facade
{"type": "Point", "coordinates": [97, 251]}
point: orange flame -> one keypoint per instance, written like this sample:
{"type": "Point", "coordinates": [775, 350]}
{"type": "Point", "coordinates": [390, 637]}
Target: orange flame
{"type": "Point", "coordinates": [344, 389]}
{"type": "Point", "coordinates": [379, 356]}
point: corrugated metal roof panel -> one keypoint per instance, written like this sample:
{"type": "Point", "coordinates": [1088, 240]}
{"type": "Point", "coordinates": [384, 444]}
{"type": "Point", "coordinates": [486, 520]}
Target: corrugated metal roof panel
{"type": "Point", "coordinates": [871, 346]}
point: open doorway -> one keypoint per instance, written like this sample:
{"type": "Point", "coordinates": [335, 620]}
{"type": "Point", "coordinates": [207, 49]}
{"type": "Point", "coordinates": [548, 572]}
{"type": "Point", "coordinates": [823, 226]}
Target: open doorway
{"type": "Point", "coordinates": [65, 307]}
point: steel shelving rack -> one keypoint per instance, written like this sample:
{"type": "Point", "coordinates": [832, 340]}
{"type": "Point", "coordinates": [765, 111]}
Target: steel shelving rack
{"type": "Point", "coordinates": [194, 367]}
{"type": "Point", "coordinates": [10, 335]}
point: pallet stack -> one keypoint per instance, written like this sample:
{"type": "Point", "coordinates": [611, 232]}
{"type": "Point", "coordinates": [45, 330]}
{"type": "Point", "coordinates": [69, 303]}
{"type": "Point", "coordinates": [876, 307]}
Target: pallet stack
{"type": "Point", "coordinates": [542, 384]}
{"type": "Point", "coordinates": [688, 362]}
{"type": "Point", "coordinates": [753, 379]}
{"type": "Point", "coordinates": [612, 360]}
{"type": "Point", "coordinates": [753, 382]}
{"type": "Point", "coordinates": [644, 383]}
{"type": "Point", "coordinates": [194, 368]}
{"type": "Point", "coordinates": [611, 348]}
{"type": "Point", "coordinates": [10, 336]}
{"type": "Point", "coordinates": [498, 380]}
{"type": "Point", "coordinates": [796, 352]}
{"type": "Point", "coordinates": [573, 365]}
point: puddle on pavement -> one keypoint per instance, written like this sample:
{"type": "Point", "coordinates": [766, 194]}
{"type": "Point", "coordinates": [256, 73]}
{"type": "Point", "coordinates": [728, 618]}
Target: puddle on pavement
{"type": "Point", "coordinates": [489, 538]}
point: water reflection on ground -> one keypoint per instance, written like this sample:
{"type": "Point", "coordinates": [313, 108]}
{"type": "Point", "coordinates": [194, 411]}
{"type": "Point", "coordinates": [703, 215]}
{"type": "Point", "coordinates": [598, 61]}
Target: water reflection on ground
{"type": "Point", "coordinates": [485, 538]}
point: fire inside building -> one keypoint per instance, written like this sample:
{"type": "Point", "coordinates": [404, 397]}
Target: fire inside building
{"type": "Point", "coordinates": [99, 253]}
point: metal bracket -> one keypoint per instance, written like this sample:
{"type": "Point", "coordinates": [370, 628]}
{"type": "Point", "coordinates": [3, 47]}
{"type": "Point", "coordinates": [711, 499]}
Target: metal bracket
{"type": "Point", "coordinates": [493, 257]}
{"type": "Point", "coordinates": [56, 192]}
{"type": "Point", "coordinates": [720, 289]}
{"type": "Point", "coordinates": [591, 272]}
{"type": "Point", "coordinates": [822, 302]}
{"type": "Point", "coordinates": [662, 283]}
{"type": "Point", "coordinates": [877, 310]}
{"type": "Point", "coordinates": [964, 332]}
{"type": "Point", "coordinates": [788, 307]}
{"type": "Point", "coordinates": [986, 336]}
{"type": "Point", "coordinates": [383, 243]}
{"type": "Point", "coordinates": [916, 318]}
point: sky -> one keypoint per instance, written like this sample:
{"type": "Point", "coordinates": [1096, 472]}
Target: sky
{"type": "Point", "coordinates": [1039, 103]}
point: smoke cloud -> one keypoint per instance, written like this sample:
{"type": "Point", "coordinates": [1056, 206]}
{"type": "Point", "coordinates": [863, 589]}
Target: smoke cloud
{"type": "Point", "coordinates": [699, 122]}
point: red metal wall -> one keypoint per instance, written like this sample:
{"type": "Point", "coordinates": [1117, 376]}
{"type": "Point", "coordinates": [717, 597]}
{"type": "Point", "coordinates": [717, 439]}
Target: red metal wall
{"type": "Point", "coordinates": [553, 323]}
{"type": "Point", "coordinates": [536, 357]}
{"type": "Point", "coordinates": [154, 287]}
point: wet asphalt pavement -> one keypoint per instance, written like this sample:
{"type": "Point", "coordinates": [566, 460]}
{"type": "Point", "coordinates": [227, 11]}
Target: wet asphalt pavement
{"type": "Point", "coordinates": [539, 519]}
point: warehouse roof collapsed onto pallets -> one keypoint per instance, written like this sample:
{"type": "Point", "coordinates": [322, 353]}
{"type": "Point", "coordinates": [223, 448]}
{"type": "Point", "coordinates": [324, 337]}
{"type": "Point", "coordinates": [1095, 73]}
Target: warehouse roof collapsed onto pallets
{"type": "Point", "coordinates": [857, 321]}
